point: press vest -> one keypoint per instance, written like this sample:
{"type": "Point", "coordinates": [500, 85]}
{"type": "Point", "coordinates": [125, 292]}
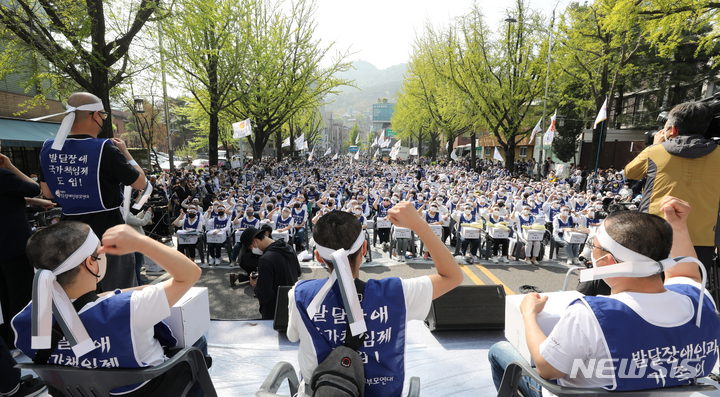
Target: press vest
{"type": "Point", "coordinates": [657, 356]}
{"type": "Point", "coordinates": [383, 351]}
{"type": "Point", "coordinates": [73, 174]}
{"type": "Point", "coordinates": [108, 323]}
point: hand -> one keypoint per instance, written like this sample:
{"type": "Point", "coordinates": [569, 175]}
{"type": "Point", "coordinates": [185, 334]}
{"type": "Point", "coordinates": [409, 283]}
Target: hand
{"type": "Point", "coordinates": [5, 162]}
{"type": "Point", "coordinates": [182, 211]}
{"type": "Point", "coordinates": [659, 137]}
{"type": "Point", "coordinates": [676, 211]}
{"type": "Point", "coordinates": [404, 214]}
{"type": "Point", "coordinates": [47, 204]}
{"type": "Point", "coordinates": [120, 144]}
{"type": "Point", "coordinates": [121, 240]}
{"type": "Point", "coordinates": [532, 304]}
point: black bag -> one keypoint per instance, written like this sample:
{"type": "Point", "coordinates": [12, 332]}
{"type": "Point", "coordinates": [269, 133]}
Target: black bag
{"type": "Point", "coordinates": [342, 372]}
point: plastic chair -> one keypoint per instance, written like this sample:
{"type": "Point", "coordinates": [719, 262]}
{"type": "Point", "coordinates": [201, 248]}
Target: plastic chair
{"type": "Point", "coordinates": [284, 370]}
{"type": "Point", "coordinates": [83, 382]}
{"type": "Point", "coordinates": [516, 370]}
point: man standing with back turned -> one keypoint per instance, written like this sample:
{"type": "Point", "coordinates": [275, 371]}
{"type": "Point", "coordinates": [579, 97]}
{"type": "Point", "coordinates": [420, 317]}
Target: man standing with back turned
{"type": "Point", "coordinates": [85, 175]}
{"type": "Point", "coordinates": [684, 164]}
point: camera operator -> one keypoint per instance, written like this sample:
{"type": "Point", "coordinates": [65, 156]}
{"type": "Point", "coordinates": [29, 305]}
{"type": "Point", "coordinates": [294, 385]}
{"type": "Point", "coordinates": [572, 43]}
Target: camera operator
{"type": "Point", "coordinates": [684, 164]}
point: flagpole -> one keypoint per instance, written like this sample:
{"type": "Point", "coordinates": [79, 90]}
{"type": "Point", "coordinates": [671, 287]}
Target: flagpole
{"type": "Point", "coordinates": [597, 159]}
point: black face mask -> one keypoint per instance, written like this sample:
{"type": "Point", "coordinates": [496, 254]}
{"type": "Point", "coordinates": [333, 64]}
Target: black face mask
{"type": "Point", "coordinates": [221, 213]}
{"type": "Point", "coordinates": [297, 206]}
{"type": "Point", "coordinates": [191, 216]}
{"type": "Point", "coordinates": [269, 207]}
{"type": "Point", "coordinates": [501, 205]}
{"type": "Point", "coordinates": [287, 191]}
{"type": "Point", "coordinates": [250, 214]}
{"type": "Point", "coordinates": [332, 195]}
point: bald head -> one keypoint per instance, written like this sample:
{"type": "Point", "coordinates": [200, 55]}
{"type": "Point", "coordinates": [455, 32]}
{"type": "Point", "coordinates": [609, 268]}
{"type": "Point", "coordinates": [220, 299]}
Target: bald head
{"type": "Point", "coordinates": [79, 99]}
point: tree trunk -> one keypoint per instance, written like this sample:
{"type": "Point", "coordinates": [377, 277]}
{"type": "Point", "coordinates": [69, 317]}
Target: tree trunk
{"type": "Point", "coordinates": [278, 145]}
{"type": "Point", "coordinates": [510, 155]}
{"type": "Point", "coordinates": [213, 139]}
{"type": "Point", "coordinates": [472, 151]}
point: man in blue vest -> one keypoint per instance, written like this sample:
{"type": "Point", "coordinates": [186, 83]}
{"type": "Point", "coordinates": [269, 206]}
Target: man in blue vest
{"type": "Point", "coordinates": [116, 329]}
{"type": "Point", "coordinates": [388, 304]}
{"type": "Point", "coordinates": [648, 333]}
{"type": "Point", "coordinates": [85, 175]}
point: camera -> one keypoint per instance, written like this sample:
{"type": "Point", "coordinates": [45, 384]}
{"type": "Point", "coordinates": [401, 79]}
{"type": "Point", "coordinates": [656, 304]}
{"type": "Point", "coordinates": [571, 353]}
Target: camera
{"type": "Point", "coordinates": [713, 131]}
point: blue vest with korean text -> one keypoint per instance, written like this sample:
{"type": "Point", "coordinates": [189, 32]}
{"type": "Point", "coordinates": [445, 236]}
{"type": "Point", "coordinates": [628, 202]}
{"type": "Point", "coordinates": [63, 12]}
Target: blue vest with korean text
{"type": "Point", "coordinates": [569, 223]}
{"type": "Point", "coordinates": [72, 174]}
{"type": "Point", "coordinates": [432, 219]}
{"type": "Point", "coordinates": [382, 210]}
{"type": "Point", "coordinates": [281, 223]}
{"type": "Point", "coordinates": [524, 222]}
{"type": "Point", "coordinates": [108, 323]}
{"type": "Point", "coordinates": [579, 207]}
{"type": "Point", "coordinates": [383, 351]}
{"type": "Point", "coordinates": [188, 224]}
{"type": "Point", "coordinates": [298, 216]}
{"type": "Point", "coordinates": [246, 223]}
{"type": "Point", "coordinates": [465, 219]}
{"type": "Point", "coordinates": [219, 224]}
{"type": "Point", "coordinates": [650, 356]}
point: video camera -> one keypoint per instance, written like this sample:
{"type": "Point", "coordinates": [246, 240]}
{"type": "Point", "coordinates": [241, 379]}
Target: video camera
{"type": "Point", "coordinates": [713, 131]}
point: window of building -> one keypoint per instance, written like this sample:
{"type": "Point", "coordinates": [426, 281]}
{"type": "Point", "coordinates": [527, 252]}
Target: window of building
{"type": "Point", "coordinates": [523, 151]}
{"type": "Point", "coordinates": [488, 151]}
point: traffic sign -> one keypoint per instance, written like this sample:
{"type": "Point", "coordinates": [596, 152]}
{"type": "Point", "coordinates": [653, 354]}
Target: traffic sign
{"type": "Point", "coordinates": [389, 133]}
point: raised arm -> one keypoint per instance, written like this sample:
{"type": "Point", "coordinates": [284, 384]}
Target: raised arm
{"type": "Point", "coordinates": [676, 212]}
{"type": "Point", "coordinates": [448, 274]}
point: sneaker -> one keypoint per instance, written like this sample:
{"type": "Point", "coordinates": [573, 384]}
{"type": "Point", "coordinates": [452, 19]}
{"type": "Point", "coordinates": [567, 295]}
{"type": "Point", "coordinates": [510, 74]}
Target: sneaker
{"type": "Point", "coordinates": [535, 262]}
{"type": "Point", "coordinates": [29, 387]}
{"type": "Point", "coordinates": [505, 259]}
{"type": "Point", "coordinates": [575, 261]}
{"type": "Point", "coordinates": [232, 263]}
{"type": "Point", "coordinates": [495, 259]}
{"type": "Point", "coordinates": [233, 279]}
{"type": "Point", "coordinates": [528, 261]}
{"type": "Point", "coordinates": [570, 262]}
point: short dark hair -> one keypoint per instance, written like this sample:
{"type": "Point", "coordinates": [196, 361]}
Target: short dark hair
{"type": "Point", "coordinates": [338, 229]}
{"type": "Point", "coordinates": [644, 233]}
{"type": "Point", "coordinates": [691, 118]}
{"type": "Point", "coordinates": [50, 246]}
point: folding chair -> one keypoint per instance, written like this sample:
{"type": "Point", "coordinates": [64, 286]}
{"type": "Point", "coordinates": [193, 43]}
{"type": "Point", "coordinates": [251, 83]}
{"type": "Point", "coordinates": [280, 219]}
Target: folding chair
{"type": "Point", "coordinates": [517, 369]}
{"type": "Point", "coordinates": [83, 382]}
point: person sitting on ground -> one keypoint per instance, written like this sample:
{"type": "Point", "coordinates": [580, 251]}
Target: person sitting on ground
{"type": "Point", "coordinates": [70, 261]}
{"type": "Point", "coordinates": [659, 334]}
{"type": "Point", "coordinates": [389, 303]}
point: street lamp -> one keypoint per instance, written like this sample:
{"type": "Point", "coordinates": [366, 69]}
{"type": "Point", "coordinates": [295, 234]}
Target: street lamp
{"type": "Point", "coordinates": [139, 105]}
{"type": "Point", "coordinates": [547, 77]}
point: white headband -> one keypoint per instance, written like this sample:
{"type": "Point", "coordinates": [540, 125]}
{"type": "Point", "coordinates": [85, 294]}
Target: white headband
{"type": "Point", "coordinates": [69, 120]}
{"type": "Point", "coordinates": [50, 298]}
{"type": "Point", "coordinates": [343, 275]}
{"type": "Point", "coordinates": [633, 264]}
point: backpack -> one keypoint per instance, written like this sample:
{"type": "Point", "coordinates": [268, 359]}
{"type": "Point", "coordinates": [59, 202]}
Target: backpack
{"type": "Point", "coordinates": [342, 372]}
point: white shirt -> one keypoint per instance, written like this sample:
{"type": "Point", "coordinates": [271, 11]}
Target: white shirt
{"type": "Point", "coordinates": [418, 297]}
{"type": "Point", "coordinates": [578, 334]}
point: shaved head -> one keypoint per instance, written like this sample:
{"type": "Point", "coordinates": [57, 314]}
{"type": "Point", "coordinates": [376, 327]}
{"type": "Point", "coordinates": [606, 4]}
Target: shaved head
{"type": "Point", "coordinates": [79, 99]}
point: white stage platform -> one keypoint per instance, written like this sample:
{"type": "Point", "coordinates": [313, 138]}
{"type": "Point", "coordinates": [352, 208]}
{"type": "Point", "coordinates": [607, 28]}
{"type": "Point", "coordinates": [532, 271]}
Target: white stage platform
{"type": "Point", "coordinates": [447, 363]}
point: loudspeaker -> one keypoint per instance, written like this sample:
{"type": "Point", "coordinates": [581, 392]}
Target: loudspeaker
{"type": "Point", "coordinates": [468, 307]}
{"type": "Point", "coordinates": [280, 322]}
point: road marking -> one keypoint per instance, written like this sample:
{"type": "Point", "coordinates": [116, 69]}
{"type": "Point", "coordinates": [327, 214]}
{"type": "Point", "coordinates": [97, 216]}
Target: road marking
{"type": "Point", "coordinates": [496, 280]}
{"type": "Point", "coordinates": [472, 275]}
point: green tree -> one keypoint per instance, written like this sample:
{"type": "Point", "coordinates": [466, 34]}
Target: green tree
{"type": "Point", "coordinates": [282, 73]}
{"type": "Point", "coordinates": [499, 77]}
{"type": "Point", "coordinates": [206, 54]}
{"type": "Point", "coordinates": [354, 132]}
{"type": "Point", "coordinates": [74, 38]}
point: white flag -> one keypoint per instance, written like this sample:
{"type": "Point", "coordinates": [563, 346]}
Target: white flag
{"type": "Point", "coordinates": [602, 114]}
{"type": "Point", "coordinates": [447, 145]}
{"type": "Point", "coordinates": [357, 139]}
{"type": "Point", "coordinates": [335, 157]}
{"type": "Point", "coordinates": [286, 142]}
{"type": "Point", "coordinates": [535, 130]}
{"type": "Point", "coordinates": [311, 155]}
{"type": "Point", "coordinates": [453, 155]}
{"type": "Point", "coordinates": [357, 155]}
{"type": "Point", "coordinates": [413, 151]}
{"type": "Point", "coordinates": [375, 142]}
{"type": "Point", "coordinates": [241, 129]}
{"type": "Point", "coordinates": [327, 152]}
{"type": "Point", "coordinates": [397, 144]}
{"type": "Point", "coordinates": [550, 134]}
{"type": "Point", "coordinates": [377, 151]}
{"type": "Point", "coordinates": [496, 155]}
{"type": "Point", "coordinates": [299, 141]}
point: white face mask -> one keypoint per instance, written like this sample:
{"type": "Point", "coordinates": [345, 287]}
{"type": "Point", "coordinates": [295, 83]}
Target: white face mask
{"type": "Point", "coordinates": [526, 212]}
{"type": "Point", "coordinates": [256, 251]}
{"type": "Point", "coordinates": [565, 213]}
{"type": "Point", "coordinates": [358, 212]}
{"type": "Point", "coordinates": [468, 212]}
{"type": "Point", "coordinates": [591, 214]}
{"type": "Point", "coordinates": [594, 261]}
{"type": "Point", "coordinates": [496, 213]}
{"type": "Point", "coordinates": [580, 200]}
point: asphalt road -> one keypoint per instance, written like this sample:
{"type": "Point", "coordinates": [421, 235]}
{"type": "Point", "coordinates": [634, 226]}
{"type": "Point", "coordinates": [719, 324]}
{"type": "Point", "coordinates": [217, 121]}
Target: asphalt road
{"type": "Point", "coordinates": [239, 303]}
